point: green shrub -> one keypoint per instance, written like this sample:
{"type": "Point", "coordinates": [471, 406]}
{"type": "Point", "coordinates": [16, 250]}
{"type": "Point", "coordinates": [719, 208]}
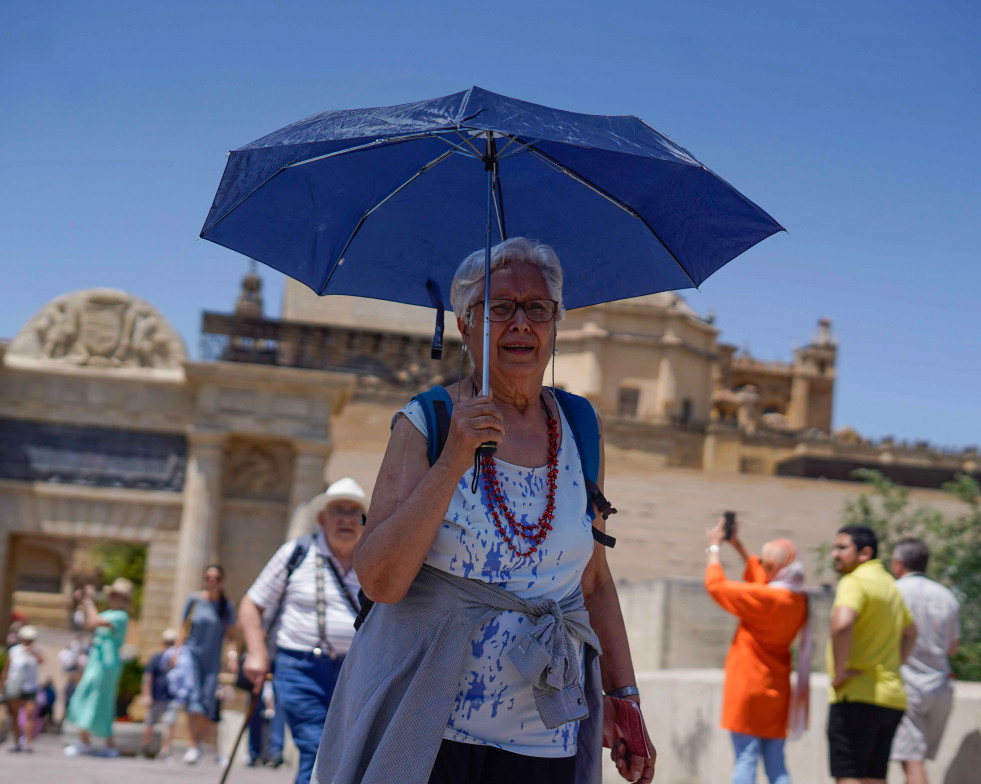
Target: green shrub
{"type": "Point", "coordinates": [130, 683]}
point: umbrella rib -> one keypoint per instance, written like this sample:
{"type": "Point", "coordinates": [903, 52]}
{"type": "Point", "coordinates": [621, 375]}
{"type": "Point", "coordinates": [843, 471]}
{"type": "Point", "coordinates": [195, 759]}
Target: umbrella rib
{"type": "Point", "coordinates": [422, 170]}
{"type": "Point", "coordinates": [477, 153]}
{"type": "Point", "coordinates": [499, 204]}
{"type": "Point", "coordinates": [523, 148]}
{"type": "Point", "coordinates": [358, 148]}
{"type": "Point", "coordinates": [244, 199]}
{"type": "Point", "coordinates": [426, 167]}
{"type": "Point", "coordinates": [562, 168]}
{"type": "Point", "coordinates": [460, 149]}
{"type": "Point", "coordinates": [366, 146]}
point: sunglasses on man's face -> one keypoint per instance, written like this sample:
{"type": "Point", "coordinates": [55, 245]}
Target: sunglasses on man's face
{"type": "Point", "coordinates": [539, 310]}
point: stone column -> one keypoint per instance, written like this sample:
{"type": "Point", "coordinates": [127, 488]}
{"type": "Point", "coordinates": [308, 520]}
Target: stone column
{"type": "Point", "coordinates": [199, 529]}
{"type": "Point", "coordinates": [667, 387]}
{"type": "Point", "coordinates": [800, 393]}
{"type": "Point", "coordinates": [309, 473]}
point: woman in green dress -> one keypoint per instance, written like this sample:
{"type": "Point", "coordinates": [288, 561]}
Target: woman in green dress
{"type": "Point", "coordinates": [93, 705]}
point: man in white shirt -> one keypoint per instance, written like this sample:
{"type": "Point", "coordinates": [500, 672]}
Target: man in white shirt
{"type": "Point", "coordinates": [310, 590]}
{"type": "Point", "coordinates": [926, 675]}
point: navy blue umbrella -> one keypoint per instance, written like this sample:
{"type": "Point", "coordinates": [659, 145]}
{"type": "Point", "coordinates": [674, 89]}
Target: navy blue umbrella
{"type": "Point", "coordinates": [386, 202]}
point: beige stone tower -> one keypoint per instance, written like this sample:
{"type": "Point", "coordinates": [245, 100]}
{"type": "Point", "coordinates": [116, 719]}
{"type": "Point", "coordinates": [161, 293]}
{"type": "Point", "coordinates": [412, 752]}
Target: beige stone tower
{"type": "Point", "coordinates": [812, 385]}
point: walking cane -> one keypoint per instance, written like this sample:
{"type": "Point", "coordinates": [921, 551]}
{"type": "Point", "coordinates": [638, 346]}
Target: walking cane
{"type": "Point", "coordinates": [254, 701]}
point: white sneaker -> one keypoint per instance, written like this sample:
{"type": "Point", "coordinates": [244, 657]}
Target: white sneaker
{"type": "Point", "coordinates": [77, 748]}
{"type": "Point", "coordinates": [192, 756]}
{"type": "Point", "coordinates": [221, 759]}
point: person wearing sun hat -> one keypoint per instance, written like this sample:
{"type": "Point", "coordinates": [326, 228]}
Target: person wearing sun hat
{"type": "Point", "coordinates": [310, 584]}
{"type": "Point", "coordinates": [20, 685]}
{"type": "Point", "coordinates": [93, 704]}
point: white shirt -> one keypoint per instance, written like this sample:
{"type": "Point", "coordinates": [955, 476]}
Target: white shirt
{"type": "Point", "coordinates": [298, 628]}
{"type": "Point", "coordinates": [936, 613]}
{"type": "Point", "coordinates": [22, 670]}
{"type": "Point", "coordinates": [494, 703]}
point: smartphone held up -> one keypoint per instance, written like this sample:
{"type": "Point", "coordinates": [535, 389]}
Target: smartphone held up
{"type": "Point", "coordinates": [729, 525]}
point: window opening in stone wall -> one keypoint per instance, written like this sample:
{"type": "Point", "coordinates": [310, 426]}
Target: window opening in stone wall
{"type": "Point", "coordinates": [628, 399]}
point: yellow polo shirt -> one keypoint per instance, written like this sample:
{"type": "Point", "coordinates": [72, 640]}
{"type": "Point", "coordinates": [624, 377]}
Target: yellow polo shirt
{"type": "Point", "coordinates": [882, 615]}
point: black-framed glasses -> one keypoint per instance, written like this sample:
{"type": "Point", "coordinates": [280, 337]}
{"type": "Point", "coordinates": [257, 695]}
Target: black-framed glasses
{"type": "Point", "coordinates": [535, 309]}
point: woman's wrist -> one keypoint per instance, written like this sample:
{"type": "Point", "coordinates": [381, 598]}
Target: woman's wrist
{"type": "Point", "coordinates": [625, 692]}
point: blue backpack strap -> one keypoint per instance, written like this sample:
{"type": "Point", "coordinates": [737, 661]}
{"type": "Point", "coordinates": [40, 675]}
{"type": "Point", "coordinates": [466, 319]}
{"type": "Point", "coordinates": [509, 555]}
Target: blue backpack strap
{"type": "Point", "coordinates": [581, 416]}
{"type": "Point", "coordinates": [437, 408]}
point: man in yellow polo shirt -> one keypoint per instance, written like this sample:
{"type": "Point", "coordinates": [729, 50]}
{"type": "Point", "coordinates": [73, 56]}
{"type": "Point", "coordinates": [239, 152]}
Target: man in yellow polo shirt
{"type": "Point", "coordinates": [872, 633]}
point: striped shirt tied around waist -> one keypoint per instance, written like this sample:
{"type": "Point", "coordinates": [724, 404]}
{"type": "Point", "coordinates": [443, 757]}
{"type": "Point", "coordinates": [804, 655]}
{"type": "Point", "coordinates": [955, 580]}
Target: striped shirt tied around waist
{"type": "Point", "coordinates": [396, 689]}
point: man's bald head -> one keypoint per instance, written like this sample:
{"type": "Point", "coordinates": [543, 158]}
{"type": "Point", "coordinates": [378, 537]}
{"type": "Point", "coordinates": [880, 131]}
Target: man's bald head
{"type": "Point", "coordinates": [777, 554]}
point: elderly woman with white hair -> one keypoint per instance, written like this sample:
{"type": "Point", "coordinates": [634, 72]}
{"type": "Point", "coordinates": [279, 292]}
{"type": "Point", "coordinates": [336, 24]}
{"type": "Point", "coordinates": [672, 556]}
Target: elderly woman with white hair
{"type": "Point", "coordinates": [479, 661]}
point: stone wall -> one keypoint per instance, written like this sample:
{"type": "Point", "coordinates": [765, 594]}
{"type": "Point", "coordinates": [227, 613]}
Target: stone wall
{"type": "Point", "coordinates": [682, 710]}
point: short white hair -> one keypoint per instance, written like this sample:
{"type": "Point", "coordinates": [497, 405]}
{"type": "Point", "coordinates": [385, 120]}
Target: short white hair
{"type": "Point", "coordinates": [468, 283]}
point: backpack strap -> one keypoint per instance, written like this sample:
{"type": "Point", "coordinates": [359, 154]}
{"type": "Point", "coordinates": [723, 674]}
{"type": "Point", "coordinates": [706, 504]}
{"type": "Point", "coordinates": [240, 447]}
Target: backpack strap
{"type": "Point", "coordinates": [300, 551]}
{"type": "Point", "coordinates": [437, 408]}
{"type": "Point", "coordinates": [581, 416]}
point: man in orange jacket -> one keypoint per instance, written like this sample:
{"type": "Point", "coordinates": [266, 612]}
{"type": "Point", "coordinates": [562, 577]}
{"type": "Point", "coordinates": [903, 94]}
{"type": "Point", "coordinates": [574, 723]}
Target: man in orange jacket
{"type": "Point", "coordinates": [772, 609]}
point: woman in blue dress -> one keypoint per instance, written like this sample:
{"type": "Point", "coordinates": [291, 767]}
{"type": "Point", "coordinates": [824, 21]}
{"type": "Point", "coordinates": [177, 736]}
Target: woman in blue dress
{"type": "Point", "coordinates": [92, 707]}
{"type": "Point", "coordinates": [209, 619]}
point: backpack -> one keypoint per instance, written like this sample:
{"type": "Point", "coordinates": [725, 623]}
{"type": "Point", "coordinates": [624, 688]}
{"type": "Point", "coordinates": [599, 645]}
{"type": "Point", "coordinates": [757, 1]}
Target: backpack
{"type": "Point", "coordinates": [437, 408]}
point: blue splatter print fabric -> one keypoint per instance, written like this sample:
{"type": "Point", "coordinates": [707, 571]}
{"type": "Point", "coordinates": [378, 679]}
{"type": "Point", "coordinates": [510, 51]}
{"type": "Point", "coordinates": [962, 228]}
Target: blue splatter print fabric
{"type": "Point", "coordinates": [494, 704]}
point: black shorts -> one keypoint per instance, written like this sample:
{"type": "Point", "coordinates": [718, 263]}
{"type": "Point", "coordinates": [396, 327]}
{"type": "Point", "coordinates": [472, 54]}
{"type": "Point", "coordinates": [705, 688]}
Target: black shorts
{"type": "Point", "coordinates": [859, 737]}
{"type": "Point", "coordinates": [468, 763]}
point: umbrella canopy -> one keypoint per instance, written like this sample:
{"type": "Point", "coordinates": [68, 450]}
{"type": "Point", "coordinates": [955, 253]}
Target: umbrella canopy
{"type": "Point", "coordinates": [386, 202]}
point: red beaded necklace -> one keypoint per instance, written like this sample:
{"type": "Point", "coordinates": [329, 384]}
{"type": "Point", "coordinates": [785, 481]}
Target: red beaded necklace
{"type": "Point", "coordinates": [528, 536]}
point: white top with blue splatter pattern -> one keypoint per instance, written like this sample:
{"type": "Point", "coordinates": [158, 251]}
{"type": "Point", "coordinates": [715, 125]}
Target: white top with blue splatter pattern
{"type": "Point", "coordinates": [494, 704]}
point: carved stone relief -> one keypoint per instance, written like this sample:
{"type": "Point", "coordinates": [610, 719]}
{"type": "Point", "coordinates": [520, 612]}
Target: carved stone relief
{"type": "Point", "coordinates": [100, 328]}
{"type": "Point", "coordinates": [254, 470]}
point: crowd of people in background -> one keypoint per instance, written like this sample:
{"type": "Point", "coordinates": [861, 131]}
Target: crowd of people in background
{"type": "Point", "coordinates": [891, 638]}
{"type": "Point", "coordinates": [297, 621]}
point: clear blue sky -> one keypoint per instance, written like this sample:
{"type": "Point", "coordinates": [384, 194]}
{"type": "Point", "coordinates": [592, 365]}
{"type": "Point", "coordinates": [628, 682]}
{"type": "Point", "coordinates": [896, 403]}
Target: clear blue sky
{"type": "Point", "coordinates": [857, 125]}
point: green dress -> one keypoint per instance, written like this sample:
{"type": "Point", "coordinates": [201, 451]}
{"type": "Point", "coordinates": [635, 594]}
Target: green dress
{"type": "Point", "coordinates": [93, 704]}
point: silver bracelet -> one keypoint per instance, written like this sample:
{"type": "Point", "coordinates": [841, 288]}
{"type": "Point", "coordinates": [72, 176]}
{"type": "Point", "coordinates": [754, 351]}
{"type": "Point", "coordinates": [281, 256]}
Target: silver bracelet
{"type": "Point", "coordinates": [625, 691]}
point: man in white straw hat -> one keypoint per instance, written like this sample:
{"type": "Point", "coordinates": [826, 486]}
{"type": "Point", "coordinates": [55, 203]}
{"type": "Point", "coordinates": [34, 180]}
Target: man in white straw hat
{"type": "Point", "coordinates": [308, 591]}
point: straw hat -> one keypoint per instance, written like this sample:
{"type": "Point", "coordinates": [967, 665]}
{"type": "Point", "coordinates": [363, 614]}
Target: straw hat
{"type": "Point", "coordinates": [345, 489]}
{"type": "Point", "coordinates": [121, 587]}
{"type": "Point", "coordinates": [169, 636]}
{"type": "Point", "coordinates": [27, 634]}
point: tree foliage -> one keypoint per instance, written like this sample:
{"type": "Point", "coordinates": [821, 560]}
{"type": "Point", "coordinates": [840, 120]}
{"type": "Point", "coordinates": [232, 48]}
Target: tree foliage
{"type": "Point", "coordinates": [120, 559]}
{"type": "Point", "coordinates": [954, 541]}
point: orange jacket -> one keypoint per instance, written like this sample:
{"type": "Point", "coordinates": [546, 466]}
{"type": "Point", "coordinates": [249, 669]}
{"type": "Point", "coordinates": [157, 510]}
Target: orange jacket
{"type": "Point", "coordinates": [756, 697]}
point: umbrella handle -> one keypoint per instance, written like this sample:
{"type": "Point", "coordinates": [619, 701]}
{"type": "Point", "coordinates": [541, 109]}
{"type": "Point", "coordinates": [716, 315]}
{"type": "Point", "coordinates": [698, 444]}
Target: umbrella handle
{"type": "Point", "coordinates": [487, 448]}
